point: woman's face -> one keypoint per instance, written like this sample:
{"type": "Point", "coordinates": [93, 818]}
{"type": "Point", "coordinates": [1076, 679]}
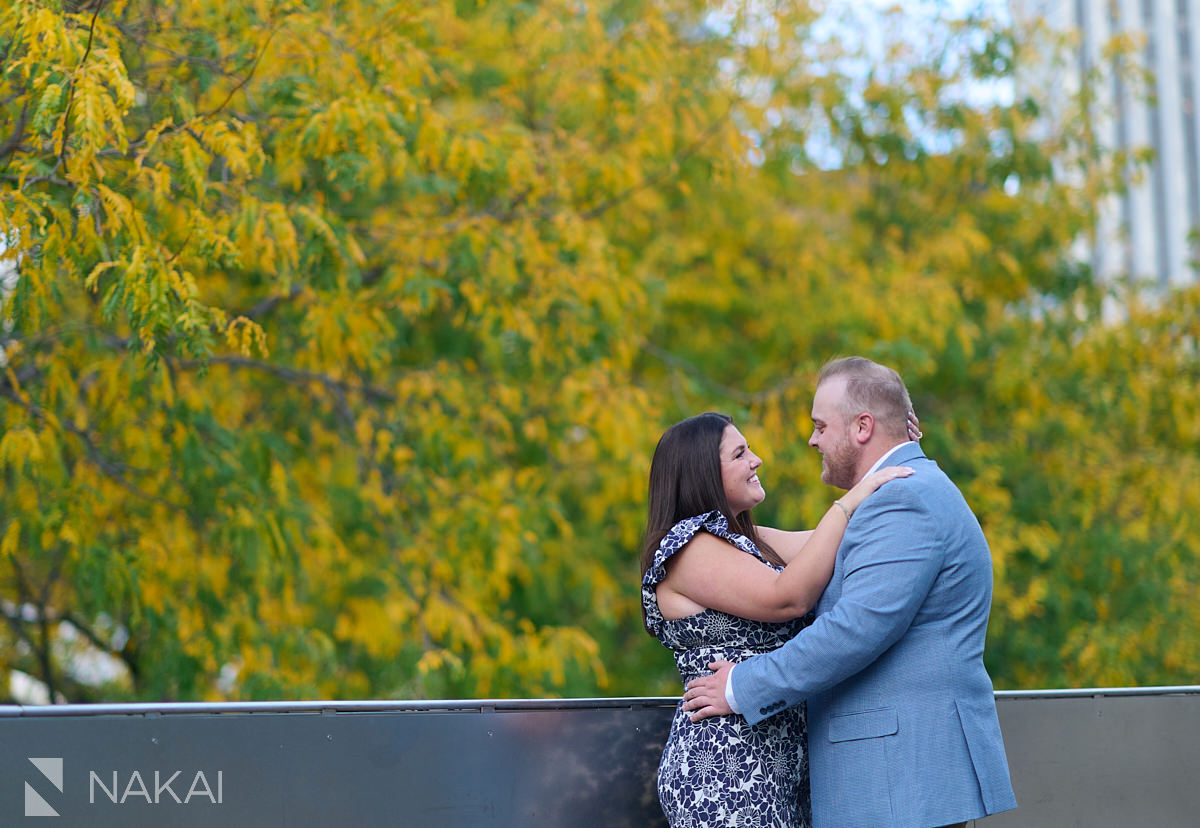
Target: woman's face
{"type": "Point", "coordinates": [739, 471]}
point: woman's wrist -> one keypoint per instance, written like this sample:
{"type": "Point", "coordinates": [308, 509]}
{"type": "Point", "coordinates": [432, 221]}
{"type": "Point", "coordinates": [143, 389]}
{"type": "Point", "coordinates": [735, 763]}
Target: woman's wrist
{"type": "Point", "coordinates": [851, 500]}
{"type": "Point", "coordinates": [845, 509]}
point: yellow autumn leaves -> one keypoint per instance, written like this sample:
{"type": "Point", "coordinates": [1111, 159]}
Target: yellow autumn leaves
{"type": "Point", "coordinates": [340, 338]}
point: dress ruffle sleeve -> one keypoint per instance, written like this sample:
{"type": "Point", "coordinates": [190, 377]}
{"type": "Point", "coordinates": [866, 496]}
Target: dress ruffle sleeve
{"type": "Point", "coordinates": [681, 533]}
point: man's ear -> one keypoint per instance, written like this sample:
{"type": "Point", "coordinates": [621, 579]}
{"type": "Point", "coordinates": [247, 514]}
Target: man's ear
{"type": "Point", "coordinates": [863, 428]}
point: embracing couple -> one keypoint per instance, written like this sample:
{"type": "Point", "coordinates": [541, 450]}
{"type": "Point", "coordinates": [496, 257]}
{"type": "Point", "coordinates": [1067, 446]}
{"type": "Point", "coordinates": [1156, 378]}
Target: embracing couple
{"type": "Point", "coordinates": [875, 620]}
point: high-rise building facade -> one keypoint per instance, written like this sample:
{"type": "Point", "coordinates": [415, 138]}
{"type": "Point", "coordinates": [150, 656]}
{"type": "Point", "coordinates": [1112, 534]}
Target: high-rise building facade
{"type": "Point", "coordinates": [1149, 231]}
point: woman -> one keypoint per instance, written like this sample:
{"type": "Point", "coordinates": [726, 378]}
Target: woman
{"type": "Point", "coordinates": [715, 586]}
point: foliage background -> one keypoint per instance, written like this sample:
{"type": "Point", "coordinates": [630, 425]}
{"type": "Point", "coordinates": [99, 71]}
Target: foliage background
{"type": "Point", "coordinates": [336, 337]}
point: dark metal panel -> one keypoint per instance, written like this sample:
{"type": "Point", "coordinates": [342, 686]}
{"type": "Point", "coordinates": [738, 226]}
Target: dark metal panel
{"type": "Point", "coordinates": [1109, 760]}
{"type": "Point", "coordinates": [534, 766]}
{"type": "Point", "coordinates": [1095, 758]}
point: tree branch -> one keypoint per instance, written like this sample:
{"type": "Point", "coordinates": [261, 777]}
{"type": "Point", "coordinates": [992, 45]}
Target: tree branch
{"type": "Point", "coordinates": [109, 467]}
{"type": "Point", "coordinates": [690, 369]}
{"type": "Point", "coordinates": [16, 619]}
{"type": "Point", "coordinates": [62, 152]}
{"type": "Point", "coordinates": [292, 375]}
{"type": "Point", "coordinates": [653, 180]}
{"type": "Point", "coordinates": [18, 134]}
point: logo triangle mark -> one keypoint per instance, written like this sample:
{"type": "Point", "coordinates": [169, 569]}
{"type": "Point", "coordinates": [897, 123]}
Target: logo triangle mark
{"type": "Point", "coordinates": [35, 805]}
{"type": "Point", "coordinates": [51, 768]}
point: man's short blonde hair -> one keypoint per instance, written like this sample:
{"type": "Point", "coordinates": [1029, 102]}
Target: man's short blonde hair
{"type": "Point", "coordinates": [873, 388]}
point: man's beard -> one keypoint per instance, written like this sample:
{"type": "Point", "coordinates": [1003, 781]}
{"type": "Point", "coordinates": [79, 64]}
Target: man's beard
{"type": "Point", "coordinates": [841, 464]}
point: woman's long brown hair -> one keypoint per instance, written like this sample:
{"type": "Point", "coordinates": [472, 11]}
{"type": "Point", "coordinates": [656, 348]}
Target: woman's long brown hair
{"type": "Point", "coordinates": [685, 481]}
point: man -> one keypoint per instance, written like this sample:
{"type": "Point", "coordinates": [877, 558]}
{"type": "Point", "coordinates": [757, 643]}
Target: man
{"type": "Point", "coordinates": [902, 726]}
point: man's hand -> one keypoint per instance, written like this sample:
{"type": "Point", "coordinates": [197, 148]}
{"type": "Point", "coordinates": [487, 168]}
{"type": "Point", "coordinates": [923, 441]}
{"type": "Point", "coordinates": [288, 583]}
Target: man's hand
{"type": "Point", "coordinates": [705, 696]}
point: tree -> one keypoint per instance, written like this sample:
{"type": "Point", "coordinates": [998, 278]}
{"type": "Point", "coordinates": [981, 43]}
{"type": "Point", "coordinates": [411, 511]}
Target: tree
{"type": "Point", "coordinates": [316, 379]}
{"type": "Point", "coordinates": [340, 335]}
{"type": "Point", "coordinates": [934, 233]}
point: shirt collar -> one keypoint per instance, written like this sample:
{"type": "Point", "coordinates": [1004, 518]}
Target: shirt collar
{"type": "Point", "coordinates": [880, 462]}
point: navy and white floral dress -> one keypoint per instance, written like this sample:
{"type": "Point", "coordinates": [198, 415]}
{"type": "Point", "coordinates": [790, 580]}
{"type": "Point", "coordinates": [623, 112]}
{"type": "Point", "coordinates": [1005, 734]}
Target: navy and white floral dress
{"type": "Point", "coordinates": [723, 771]}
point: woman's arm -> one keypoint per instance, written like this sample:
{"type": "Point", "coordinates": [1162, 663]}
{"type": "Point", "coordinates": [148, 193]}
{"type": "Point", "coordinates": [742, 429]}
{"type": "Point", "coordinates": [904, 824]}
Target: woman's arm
{"type": "Point", "coordinates": [712, 573]}
{"type": "Point", "coordinates": [786, 543]}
